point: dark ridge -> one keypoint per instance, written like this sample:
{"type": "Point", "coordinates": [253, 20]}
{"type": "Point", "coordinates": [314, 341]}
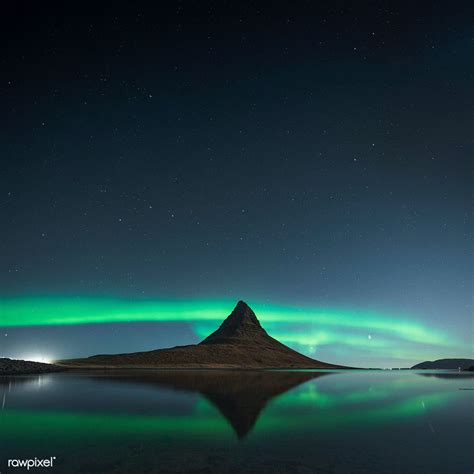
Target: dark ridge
{"type": "Point", "coordinates": [445, 364]}
{"type": "Point", "coordinates": [25, 367]}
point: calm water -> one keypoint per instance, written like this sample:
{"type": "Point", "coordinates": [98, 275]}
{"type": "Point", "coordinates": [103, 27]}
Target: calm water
{"type": "Point", "coordinates": [255, 422]}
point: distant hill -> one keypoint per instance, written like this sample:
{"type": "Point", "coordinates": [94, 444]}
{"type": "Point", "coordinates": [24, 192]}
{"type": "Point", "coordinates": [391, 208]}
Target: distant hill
{"type": "Point", "coordinates": [445, 364]}
{"type": "Point", "coordinates": [239, 342]}
{"type": "Point", "coordinates": [23, 367]}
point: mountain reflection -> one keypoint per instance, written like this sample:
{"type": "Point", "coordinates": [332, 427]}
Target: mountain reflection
{"type": "Point", "coordinates": [448, 375]}
{"type": "Point", "coordinates": [240, 396]}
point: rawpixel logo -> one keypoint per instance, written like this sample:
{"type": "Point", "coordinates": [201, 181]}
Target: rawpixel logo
{"type": "Point", "coordinates": [31, 463]}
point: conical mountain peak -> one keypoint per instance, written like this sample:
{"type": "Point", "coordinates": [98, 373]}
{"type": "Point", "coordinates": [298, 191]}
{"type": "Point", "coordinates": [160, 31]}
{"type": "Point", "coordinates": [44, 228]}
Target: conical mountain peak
{"type": "Point", "coordinates": [239, 342]}
{"type": "Point", "coordinates": [243, 314]}
{"type": "Point", "coordinates": [241, 324]}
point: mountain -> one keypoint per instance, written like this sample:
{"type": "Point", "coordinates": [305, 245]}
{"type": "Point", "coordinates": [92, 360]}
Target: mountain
{"type": "Point", "coordinates": [239, 342]}
{"type": "Point", "coordinates": [445, 364]}
{"type": "Point", "coordinates": [241, 326]}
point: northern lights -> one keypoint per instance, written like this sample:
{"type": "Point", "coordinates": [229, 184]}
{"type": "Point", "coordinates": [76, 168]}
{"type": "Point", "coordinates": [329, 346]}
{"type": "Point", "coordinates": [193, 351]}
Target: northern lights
{"type": "Point", "coordinates": [306, 329]}
{"type": "Point", "coordinates": [54, 311]}
{"type": "Point", "coordinates": [161, 163]}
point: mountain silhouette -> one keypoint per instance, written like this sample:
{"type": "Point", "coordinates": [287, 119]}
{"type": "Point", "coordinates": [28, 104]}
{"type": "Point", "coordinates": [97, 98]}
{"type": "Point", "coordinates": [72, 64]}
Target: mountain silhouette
{"type": "Point", "coordinates": [445, 364]}
{"type": "Point", "coordinates": [25, 367]}
{"type": "Point", "coordinates": [240, 396]}
{"type": "Point", "coordinates": [239, 342]}
{"type": "Point", "coordinates": [241, 326]}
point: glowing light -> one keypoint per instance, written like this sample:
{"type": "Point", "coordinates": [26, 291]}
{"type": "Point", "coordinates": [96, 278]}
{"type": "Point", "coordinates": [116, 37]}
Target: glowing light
{"type": "Point", "coordinates": [37, 358]}
{"type": "Point", "coordinates": [306, 329]}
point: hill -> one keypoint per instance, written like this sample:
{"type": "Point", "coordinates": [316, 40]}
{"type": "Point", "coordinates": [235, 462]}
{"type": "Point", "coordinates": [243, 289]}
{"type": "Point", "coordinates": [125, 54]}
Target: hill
{"type": "Point", "coordinates": [445, 364]}
{"type": "Point", "coordinates": [239, 342]}
{"type": "Point", "coordinates": [23, 367]}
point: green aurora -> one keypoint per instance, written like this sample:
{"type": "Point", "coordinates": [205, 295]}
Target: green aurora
{"type": "Point", "coordinates": [304, 328]}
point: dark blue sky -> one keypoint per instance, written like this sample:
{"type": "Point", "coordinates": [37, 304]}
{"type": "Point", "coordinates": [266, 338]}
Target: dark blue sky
{"type": "Point", "coordinates": [293, 154]}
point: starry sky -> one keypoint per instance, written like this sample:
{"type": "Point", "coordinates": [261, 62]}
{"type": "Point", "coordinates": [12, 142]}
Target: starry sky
{"type": "Point", "coordinates": [311, 158]}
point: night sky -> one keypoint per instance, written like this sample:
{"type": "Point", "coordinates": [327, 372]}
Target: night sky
{"type": "Point", "coordinates": [313, 159]}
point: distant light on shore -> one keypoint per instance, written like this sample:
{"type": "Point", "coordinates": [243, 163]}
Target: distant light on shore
{"type": "Point", "coordinates": [37, 358]}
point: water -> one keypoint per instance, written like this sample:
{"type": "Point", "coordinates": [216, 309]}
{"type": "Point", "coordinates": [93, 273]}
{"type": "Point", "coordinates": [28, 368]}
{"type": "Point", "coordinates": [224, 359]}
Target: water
{"type": "Point", "coordinates": [232, 421]}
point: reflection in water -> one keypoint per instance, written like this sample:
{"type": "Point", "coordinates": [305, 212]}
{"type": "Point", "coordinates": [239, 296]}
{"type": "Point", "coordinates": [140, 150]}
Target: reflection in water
{"type": "Point", "coordinates": [377, 421]}
{"type": "Point", "coordinates": [239, 395]}
{"type": "Point", "coordinates": [447, 375]}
